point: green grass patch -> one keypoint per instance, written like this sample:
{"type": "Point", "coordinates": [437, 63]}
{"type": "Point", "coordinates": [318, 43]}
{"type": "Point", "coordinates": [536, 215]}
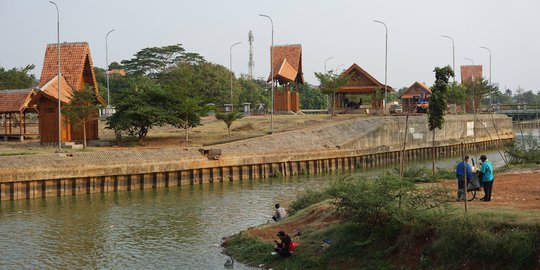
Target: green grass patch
{"type": "Point", "coordinates": [17, 154]}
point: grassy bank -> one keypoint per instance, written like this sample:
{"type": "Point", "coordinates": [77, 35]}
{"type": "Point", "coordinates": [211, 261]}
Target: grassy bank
{"type": "Point", "coordinates": [391, 224]}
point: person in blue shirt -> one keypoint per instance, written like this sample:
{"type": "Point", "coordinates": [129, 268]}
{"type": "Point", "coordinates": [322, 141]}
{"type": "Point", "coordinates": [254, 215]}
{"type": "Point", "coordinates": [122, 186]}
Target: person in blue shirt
{"type": "Point", "coordinates": [460, 175]}
{"type": "Point", "coordinates": [487, 177]}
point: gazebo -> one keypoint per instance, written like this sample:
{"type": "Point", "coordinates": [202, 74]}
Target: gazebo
{"type": "Point", "coordinates": [15, 112]}
{"type": "Point", "coordinates": [416, 92]}
{"type": "Point", "coordinates": [77, 72]}
{"type": "Point", "coordinates": [360, 84]}
{"type": "Point", "coordinates": [287, 65]}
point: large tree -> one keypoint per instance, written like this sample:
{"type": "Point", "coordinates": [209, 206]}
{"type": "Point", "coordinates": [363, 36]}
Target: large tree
{"type": "Point", "coordinates": [82, 108]}
{"type": "Point", "coordinates": [311, 98]}
{"type": "Point", "coordinates": [438, 103]}
{"type": "Point", "coordinates": [330, 83]}
{"type": "Point", "coordinates": [17, 78]}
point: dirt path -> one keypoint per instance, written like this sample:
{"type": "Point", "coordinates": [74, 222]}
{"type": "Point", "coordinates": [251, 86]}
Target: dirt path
{"type": "Point", "coordinates": [515, 190]}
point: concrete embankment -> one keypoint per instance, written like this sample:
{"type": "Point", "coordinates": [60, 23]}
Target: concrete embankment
{"type": "Point", "coordinates": [357, 143]}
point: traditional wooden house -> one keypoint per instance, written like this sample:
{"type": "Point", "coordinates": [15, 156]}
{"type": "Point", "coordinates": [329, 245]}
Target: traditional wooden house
{"type": "Point", "coordinates": [77, 72]}
{"type": "Point", "coordinates": [360, 88]}
{"type": "Point", "coordinates": [287, 65]}
{"type": "Point", "coordinates": [417, 92]}
{"type": "Point", "coordinates": [17, 118]}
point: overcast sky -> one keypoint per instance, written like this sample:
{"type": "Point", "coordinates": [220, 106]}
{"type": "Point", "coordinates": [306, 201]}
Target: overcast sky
{"type": "Point", "coordinates": [326, 28]}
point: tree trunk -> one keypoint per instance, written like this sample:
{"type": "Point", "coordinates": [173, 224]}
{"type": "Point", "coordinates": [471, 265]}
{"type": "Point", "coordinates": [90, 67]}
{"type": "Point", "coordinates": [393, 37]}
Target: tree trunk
{"type": "Point", "coordinates": [84, 134]}
{"type": "Point", "coordinates": [433, 152]}
{"type": "Point", "coordinates": [229, 130]}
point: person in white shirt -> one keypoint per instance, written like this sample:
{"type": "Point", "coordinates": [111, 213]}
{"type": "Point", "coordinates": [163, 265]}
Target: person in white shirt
{"type": "Point", "coordinates": [280, 213]}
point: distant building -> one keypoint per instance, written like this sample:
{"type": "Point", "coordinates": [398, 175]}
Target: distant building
{"type": "Point", "coordinates": [287, 65]}
{"type": "Point", "coordinates": [14, 108]}
{"type": "Point", "coordinates": [360, 84]}
{"type": "Point", "coordinates": [416, 92]}
{"type": "Point", "coordinates": [77, 72]}
{"type": "Point", "coordinates": [471, 73]}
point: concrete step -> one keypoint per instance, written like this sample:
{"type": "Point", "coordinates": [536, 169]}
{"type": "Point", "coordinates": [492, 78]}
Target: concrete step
{"type": "Point", "coordinates": [69, 143]}
{"type": "Point", "coordinates": [73, 146]}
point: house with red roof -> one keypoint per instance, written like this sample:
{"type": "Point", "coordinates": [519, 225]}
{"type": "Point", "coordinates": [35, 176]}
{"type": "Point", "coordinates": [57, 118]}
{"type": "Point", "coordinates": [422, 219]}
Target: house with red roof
{"type": "Point", "coordinates": [416, 93]}
{"type": "Point", "coordinates": [76, 73]}
{"type": "Point", "coordinates": [287, 64]}
{"type": "Point", "coordinates": [17, 117]}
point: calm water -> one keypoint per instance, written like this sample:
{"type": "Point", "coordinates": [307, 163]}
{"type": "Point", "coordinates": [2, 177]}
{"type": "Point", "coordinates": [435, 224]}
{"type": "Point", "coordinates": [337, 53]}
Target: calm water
{"type": "Point", "coordinates": [178, 227]}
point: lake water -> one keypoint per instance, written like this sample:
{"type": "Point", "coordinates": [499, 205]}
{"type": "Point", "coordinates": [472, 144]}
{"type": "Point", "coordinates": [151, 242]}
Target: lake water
{"type": "Point", "coordinates": [177, 227]}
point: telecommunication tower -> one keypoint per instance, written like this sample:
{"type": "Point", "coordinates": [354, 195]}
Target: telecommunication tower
{"type": "Point", "coordinates": [251, 63]}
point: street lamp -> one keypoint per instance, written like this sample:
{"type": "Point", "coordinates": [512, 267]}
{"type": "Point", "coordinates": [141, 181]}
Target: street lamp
{"type": "Point", "coordinates": [327, 61]}
{"type": "Point", "coordinates": [337, 68]}
{"type": "Point", "coordinates": [59, 73]}
{"type": "Point", "coordinates": [107, 72]}
{"type": "Point", "coordinates": [385, 63]}
{"type": "Point", "coordinates": [271, 73]}
{"type": "Point", "coordinates": [230, 63]}
{"type": "Point", "coordinates": [490, 93]}
{"type": "Point", "coordinates": [453, 55]}
{"type": "Point", "coordinates": [472, 62]}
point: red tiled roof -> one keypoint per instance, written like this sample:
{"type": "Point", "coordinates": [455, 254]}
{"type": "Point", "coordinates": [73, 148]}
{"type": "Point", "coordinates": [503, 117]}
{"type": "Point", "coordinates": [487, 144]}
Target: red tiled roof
{"type": "Point", "coordinates": [15, 101]}
{"type": "Point", "coordinates": [415, 90]}
{"type": "Point", "coordinates": [287, 62]}
{"type": "Point", "coordinates": [352, 87]}
{"type": "Point", "coordinates": [50, 91]}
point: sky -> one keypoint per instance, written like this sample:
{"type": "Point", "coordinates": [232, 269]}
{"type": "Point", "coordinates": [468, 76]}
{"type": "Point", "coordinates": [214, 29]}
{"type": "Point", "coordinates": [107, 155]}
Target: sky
{"type": "Point", "coordinates": [342, 29]}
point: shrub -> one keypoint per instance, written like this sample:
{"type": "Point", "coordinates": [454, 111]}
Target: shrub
{"type": "Point", "coordinates": [526, 150]}
{"type": "Point", "coordinates": [310, 197]}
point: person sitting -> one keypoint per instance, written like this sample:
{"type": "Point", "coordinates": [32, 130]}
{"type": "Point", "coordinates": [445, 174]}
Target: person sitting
{"type": "Point", "coordinates": [280, 213]}
{"type": "Point", "coordinates": [463, 169]}
{"type": "Point", "coordinates": [487, 178]}
{"type": "Point", "coordinates": [283, 246]}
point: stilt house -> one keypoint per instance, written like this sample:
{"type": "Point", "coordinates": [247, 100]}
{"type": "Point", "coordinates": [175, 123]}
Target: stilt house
{"type": "Point", "coordinates": [287, 65]}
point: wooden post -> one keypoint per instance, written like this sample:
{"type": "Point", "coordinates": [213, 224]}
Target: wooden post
{"type": "Point", "coordinates": [21, 138]}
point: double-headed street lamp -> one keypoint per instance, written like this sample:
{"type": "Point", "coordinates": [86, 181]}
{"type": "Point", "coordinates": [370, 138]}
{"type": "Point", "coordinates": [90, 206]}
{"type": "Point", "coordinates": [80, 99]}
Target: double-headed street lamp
{"type": "Point", "coordinates": [453, 55]}
{"type": "Point", "coordinates": [107, 70]}
{"type": "Point", "coordinates": [490, 93]}
{"type": "Point", "coordinates": [230, 63]}
{"type": "Point", "coordinates": [58, 48]}
{"type": "Point", "coordinates": [385, 63]}
{"type": "Point", "coordinates": [271, 73]}
{"type": "Point", "coordinates": [329, 58]}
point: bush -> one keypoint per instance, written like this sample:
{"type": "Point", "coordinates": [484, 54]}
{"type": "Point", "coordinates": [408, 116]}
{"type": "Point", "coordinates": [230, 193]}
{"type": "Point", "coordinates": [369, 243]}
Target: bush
{"type": "Point", "coordinates": [310, 197]}
{"type": "Point", "coordinates": [526, 150]}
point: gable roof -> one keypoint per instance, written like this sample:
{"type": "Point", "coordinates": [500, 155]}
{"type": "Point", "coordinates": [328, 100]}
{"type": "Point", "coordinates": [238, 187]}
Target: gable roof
{"type": "Point", "coordinates": [15, 101]}
{"type": "Point", "coordinates": [364, 85]}
{"type": "Point", "coordinates": [76, 67]}
{"type": "Point", "coordinates": [287, 63]}
{"type": "Point", "coordinates": [415, 90]}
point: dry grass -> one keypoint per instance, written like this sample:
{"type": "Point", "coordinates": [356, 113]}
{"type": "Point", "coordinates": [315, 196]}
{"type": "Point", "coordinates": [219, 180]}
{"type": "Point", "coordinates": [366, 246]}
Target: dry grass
{"type": "Point", "coordinates": [212, 131]}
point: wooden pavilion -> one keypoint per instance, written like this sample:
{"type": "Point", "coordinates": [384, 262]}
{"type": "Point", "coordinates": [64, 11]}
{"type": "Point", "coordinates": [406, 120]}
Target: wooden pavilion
{"type": "Point", "coordinates": [77, 72]}
{"type": "Point", "coordinates": [416, 92]}
{"type": "Point", "coordinates": [17, 118]}
{"type": "Point", "coordinates": [360, 83]}
{"type": "Point", "coordinates": [287, 65]}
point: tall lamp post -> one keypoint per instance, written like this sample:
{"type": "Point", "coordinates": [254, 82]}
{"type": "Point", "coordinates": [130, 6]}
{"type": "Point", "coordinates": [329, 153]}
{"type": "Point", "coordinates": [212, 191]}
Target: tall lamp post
{"type": "Point", "coordinates": [230, 65]}
{"type": "Point", "coordinates": [385, 63]}
{"type": "Point", "coordinates": [271, 73]}
{"type": "Point", "coordinates": [453, 55]}
{"type": "Point", "coordinates": [107, 70]}
{"type": "Point", "coordinates": [490, 93]}
{"type": "Point", "coordinates": [329, 58]}
{"type": "Point", "coordinates": [59, 73]}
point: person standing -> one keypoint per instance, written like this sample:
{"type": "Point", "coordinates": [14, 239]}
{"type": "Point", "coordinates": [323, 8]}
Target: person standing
{"type": "Point", "coordinates": [280, 213]}
{"type": "Point", "coordinates": [463, 170]}
{"type": "Point", "coordinates": [487, 177]}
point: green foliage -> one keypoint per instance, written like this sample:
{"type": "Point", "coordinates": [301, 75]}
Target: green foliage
{"type": "Point", "coordinates": [330, 83]}
{"type": "Point", "coordinates": [253, 91]}
{"type": "Point", "coordinates": [310, 197]}
{"type": "Point", "coordinates": [386, 200]}
{"type": "Point", "coordinates": [474, 238]}
{"type": "Point", "coordinates": [478, 90]}
{"type": "Point", "coordinates": [229, 118]}
{"type": "Point", "coordinates": [457, 93]}
{"type": "Point", "coordinates": [423, 175]}
{"type": "Point", "coordinates": [17, 78]}
{"type": "Point", "coordinates": [83, 108]}
{"type": "Point", "coordinates": [438, 98]}
{"type": "Point", "coordinates": [142, 106]}
{"type": "Point", "coordinates": [311, 98]}
{"type": "Point", "coordinates": [525, 150]}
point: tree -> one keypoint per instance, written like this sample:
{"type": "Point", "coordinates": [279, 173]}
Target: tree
{"type": "Point", "coordinates": [253, 91]}
{"type": "Point", "coordinates": [438, 103]}
{"type": "Point", "coordinates": [143, 105]}
{"type": "Point", "coordinates": [330, 83]}
{"type": "Point", "coordinates": [17, 78]}
{"type": "Point", "coordinates": [82, 108]}
{"type": "Point", "coordinates": [229, 118]}
{"type": "Point", "coordinates": [311, 98]}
